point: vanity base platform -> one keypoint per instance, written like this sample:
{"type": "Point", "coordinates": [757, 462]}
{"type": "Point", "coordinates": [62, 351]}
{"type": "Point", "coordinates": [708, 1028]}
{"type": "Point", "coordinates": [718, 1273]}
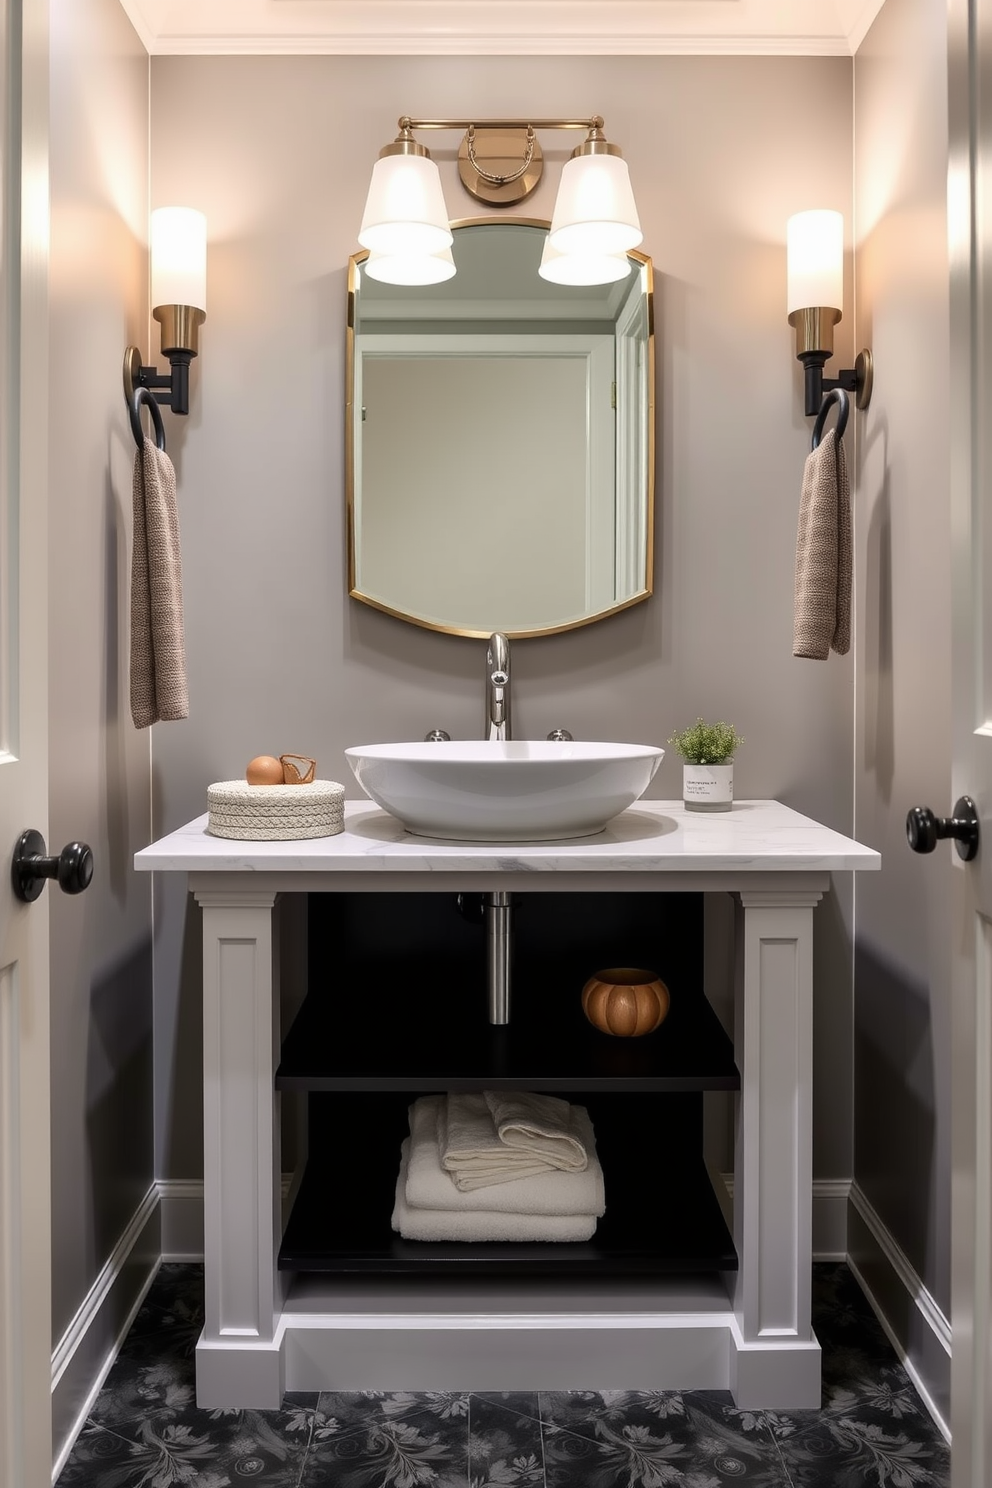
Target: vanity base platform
{"type": "Point", "coordinates": [373, 1334]}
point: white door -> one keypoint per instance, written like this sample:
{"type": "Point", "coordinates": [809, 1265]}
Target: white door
{"type": "Point", "coordinates": [25, 1247]}
{"type": "Point", "coordinates": [970, 232]}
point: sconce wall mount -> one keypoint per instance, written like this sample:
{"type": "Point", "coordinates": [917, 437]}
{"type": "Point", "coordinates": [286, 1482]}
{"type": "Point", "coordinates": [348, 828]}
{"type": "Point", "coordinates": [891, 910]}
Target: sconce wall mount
{"type": "Point", "coordinates": [814, 328]}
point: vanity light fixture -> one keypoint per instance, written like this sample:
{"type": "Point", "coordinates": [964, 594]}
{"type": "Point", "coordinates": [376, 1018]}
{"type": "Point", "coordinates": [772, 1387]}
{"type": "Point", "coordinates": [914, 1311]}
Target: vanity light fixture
{"type": "Point", "coordinates": [179, 301]}
{"type": "Point", "coordinates": [815, 255]}
{"type": "Point", "coordinates": [500, 162]}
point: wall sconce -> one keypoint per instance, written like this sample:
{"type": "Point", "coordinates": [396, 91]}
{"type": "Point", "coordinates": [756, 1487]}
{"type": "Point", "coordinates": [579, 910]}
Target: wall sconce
{"type": "Point", "coordinates": [179, 299]}
{"type": "Point", "coordinates": [500, 162]}
{"type": "Point", "coordinates": [815, 254]}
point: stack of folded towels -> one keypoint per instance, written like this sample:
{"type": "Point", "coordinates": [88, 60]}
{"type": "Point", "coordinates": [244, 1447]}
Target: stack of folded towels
{"type": "Point", "coordinates": [498, 1165]}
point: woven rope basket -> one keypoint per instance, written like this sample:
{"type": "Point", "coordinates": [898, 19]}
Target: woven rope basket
{"type": "Point", "coordinates": [275, 813]}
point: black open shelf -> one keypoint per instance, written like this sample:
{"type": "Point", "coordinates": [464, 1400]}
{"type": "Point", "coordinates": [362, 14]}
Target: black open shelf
{"type": "Point", "coordinates": [662, 1217]}
{"type": "Point", "coordinates": [397, 999]}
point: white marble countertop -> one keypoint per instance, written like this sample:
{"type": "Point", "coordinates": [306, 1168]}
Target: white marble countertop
{"type": "Point", "coordinates": [650, 837]}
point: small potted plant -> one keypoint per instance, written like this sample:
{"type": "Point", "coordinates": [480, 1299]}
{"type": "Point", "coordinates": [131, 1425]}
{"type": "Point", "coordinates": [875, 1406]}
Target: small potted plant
{"type": "Point", "coordinates": [707, 750]}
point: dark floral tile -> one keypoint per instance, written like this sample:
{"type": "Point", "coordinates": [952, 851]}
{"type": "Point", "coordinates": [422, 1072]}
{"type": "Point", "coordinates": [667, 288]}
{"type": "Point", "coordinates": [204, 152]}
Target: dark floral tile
{"type": "Point", "coordinates": [849, 1451]}
{"type": "Point", "coordinates": [584, 1411]}
{"type": "Point", "coordinates": [645, 1439]}
{"type": "Point", "coordinates": [843, 1319]}
{"type": "Point", "coordinates": [521, 1402]}
{"type": "Point", "coordinates": [136, 1388]}
{"type": "Point", "coordinates": [211, 1449]}
{"type": "Point", "coordinates": [616, 1455]}
{"type": "Point", "coordinates": [170, 1320]}
{"type": "Point", "coordinates": [505, 1448]}
{"type": "Point", "coordinates": [388, 1440]}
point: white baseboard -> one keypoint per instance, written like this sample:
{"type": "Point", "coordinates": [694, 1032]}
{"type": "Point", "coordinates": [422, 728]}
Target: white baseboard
{"type": "Point", "coordinates": [913, 1322]}
{"type": "Point", "coordinates": [91, 1342]}
{"type": "Point", "coordinates": [181, 1207]}
{"type": "Point", "coordinates": [829, 1219]}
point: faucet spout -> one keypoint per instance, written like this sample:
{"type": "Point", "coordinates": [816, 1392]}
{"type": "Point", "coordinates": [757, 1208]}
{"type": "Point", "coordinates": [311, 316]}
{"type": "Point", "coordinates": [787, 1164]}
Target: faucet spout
{"type": "Point", "coordinates": [497, 687]}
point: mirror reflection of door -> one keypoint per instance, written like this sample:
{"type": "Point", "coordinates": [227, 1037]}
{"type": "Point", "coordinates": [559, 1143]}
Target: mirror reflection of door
{"type": "Point", "coordinates": [500, 442]}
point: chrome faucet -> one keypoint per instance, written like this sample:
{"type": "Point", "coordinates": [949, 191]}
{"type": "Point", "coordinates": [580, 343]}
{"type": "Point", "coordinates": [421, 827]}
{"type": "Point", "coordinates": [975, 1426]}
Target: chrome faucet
{"type": "Point", "coordinates": [498, 687]}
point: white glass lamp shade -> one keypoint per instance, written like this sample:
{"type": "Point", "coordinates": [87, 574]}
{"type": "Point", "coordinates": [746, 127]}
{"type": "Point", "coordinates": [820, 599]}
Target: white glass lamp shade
{"type": "Point", "coordinates": [582, 268]}
{"type": "Point", "coordinates": [815, 253]}
{"type": "Point", "coordinates": [595, 210]}
{"type": "Point", "coordinates": [411, 268]}
{"type": "Point", "coordinates": [405, 210]}
{"type": "Point", "coordinates": [179, 257]}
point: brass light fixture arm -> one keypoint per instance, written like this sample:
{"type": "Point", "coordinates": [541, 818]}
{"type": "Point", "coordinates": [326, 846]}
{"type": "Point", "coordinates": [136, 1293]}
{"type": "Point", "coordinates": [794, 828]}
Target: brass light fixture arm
{"type": "Point", "coordinates": [593, 123]}
{"type": "Point", "coordinates": [513, 160]}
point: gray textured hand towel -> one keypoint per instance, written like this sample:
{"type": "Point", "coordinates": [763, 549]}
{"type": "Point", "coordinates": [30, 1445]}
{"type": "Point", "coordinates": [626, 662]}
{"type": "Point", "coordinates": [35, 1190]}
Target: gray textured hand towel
{"type": "Point", "coordinates": [822, 619]}
{"type": "Point", "coordinates": [158, 648]}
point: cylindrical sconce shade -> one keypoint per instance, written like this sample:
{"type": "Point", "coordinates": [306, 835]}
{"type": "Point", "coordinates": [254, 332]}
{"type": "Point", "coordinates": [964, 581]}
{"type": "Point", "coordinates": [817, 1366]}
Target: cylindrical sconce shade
{"type": "Point", "coordinates": [595, 210]}
{"type": "Point", "coordinates": [179, 257]}
{"type": "Point", "coordinates": [815, 251]}
{"type": "Point", "coordinates": [411, 268]}
{"type": "Point", "coordinates": [405, 210]}
{"type": "Point", "coordinates": [582, 268]}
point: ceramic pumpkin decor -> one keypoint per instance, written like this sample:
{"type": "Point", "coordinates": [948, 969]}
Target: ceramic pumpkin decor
{"type": "Point", "coordinates": [625, 1001]}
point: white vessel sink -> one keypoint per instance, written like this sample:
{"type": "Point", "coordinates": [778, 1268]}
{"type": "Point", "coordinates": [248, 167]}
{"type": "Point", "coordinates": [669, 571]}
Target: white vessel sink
{"type": "Point", "coordinates": [519, 791]}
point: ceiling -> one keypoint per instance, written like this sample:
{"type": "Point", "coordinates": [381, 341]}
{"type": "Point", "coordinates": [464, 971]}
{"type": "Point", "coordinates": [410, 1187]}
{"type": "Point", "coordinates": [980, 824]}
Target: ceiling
{"type": "Point", "coordinates": [507, 27]}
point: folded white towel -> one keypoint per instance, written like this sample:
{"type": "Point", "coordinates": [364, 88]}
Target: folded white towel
{"type": "Point", "coordinates": [428, 1186]}
{"type": "Point", "coordinates": [481, 1225]}
{"type": "Point", "coordinates": [541, 1125]}
{"type": "Point", "coordinates": [471, 1150]}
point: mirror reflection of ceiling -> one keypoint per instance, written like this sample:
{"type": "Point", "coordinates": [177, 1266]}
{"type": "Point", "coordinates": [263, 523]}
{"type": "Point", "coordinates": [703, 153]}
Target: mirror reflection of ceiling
{"type": "Point", "coordinates": [491, 27]}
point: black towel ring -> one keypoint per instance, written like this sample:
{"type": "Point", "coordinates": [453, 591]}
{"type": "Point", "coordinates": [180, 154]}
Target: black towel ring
{"type": "Point", "coordinates": [838, 396]}
{"type": "Point", "coordinates": [145, 395]}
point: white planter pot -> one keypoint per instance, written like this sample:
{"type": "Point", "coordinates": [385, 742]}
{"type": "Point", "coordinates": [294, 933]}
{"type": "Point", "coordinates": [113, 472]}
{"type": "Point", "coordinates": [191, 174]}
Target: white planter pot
{"type": "Point", "coordinates": [708, 787]}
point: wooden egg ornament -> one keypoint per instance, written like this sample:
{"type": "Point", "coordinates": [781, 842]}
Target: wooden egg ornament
{"type": "Point", "coordinates": [264, 769]}
{"type": "Point", "coordinates": [625, 1001]}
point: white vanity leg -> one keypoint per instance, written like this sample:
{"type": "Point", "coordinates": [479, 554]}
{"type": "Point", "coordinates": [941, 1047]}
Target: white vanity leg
{"type": "Point", "coordinates": [239, 1358]}
{"type": "Point", "coordinates": [775, 1358]}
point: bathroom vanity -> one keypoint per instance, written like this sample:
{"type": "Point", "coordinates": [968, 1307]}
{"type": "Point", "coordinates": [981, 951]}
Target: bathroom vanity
{"type": "Point", "coordinates": [312, 1291]}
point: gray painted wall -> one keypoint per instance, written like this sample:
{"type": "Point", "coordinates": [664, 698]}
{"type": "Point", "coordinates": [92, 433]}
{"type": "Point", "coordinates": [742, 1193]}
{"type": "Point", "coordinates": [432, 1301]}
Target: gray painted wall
{"type": "Point", "coordinates": [903, 740]}
{"type": "Point", "coordinates": [101, 1008]}
{"type": "Point", "coordinates": [277, 151]}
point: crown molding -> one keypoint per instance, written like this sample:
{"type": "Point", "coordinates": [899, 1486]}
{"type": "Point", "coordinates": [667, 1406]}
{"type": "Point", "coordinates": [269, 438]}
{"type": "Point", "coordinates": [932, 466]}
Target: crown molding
{"type": "Point", "coordinates": [501, 27]}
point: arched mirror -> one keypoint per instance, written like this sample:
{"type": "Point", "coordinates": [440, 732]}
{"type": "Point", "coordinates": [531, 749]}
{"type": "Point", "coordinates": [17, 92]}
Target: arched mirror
{"type": "Point", "coordinates": [500, 441]}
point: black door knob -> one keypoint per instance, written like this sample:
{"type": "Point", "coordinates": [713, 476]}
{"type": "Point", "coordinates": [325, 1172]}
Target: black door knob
{"type": "Point", "coordinates": [924, 830]}
{"type": "Point", "coordinates": [73, 868]}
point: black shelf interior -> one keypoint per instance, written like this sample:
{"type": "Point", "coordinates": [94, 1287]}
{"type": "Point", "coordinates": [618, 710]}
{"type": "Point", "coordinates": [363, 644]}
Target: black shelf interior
{"type": "Point", "coordinates": [662, 1217]}
{"type": "Point", "coordinates": [397, 997]}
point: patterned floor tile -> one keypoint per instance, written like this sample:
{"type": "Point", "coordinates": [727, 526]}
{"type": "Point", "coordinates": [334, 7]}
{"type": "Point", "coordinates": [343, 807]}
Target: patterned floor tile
{"type": "Point", "coordinates": [378, 1440]}
{"type": "Point", "coordinates": [211, 1449]}
{"type": "Point", "coordinates": [505, 1448]}
{"type": "Point", "coordinates": [645, 1439]}
{"type": "Point", "coordinates": [521, 1402]}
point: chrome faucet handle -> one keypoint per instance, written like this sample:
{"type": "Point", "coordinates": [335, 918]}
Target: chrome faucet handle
{"type": "Point", "coordinates": [437, 736]}
{"type": "Point", "coordinates": [561, 736]}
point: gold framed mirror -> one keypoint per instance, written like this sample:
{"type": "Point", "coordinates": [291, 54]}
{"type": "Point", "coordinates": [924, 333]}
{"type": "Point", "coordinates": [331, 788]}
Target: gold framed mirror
{"type": "Point", "coordinates": [500, 440]}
